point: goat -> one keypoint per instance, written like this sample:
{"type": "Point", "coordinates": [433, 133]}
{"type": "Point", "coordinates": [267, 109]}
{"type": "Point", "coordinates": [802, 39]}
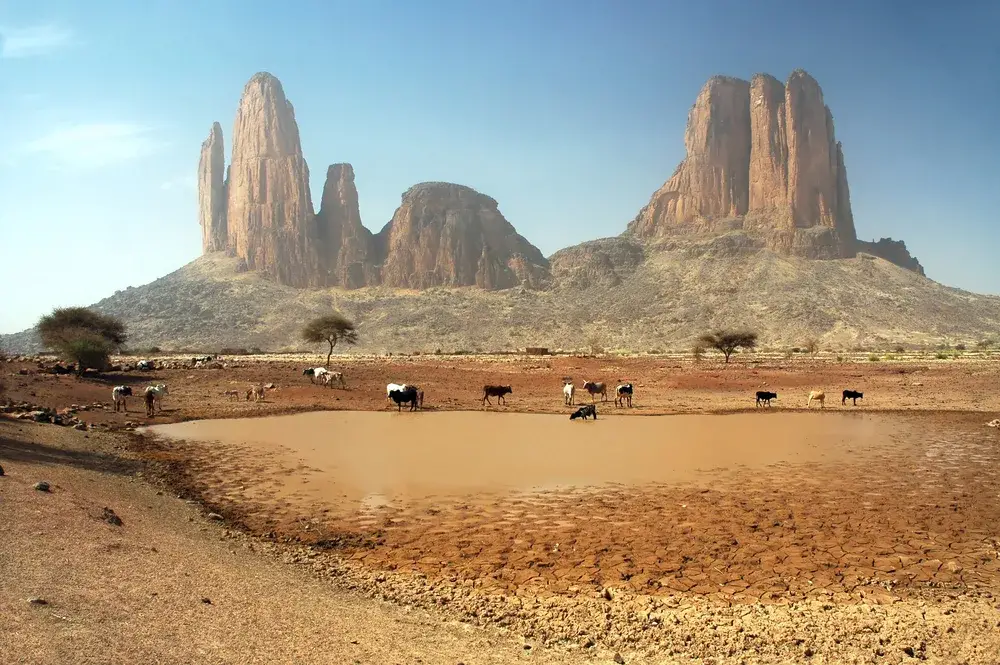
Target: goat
{"type": "Point", "coordinates": [817, 395]}
{"type": "Point", "coordinates": [583, 412]}
{"type": "Point", "coordinates": [568, 392]}
{"type": "Point", "coordinates": [154, 395]}
{"type": "Point", "coordinates": [232, 394]}
{"type": "Point", "coordinates": [496, 391]}
{"type": "Point", "coordinates": [119, 395]}
{"type": "Point", "coordinates": [851, 394]}
{"type": "Point", "coordinates": [256, 392]}
{"type": "Point", "coordinates": [409, 395]}
{"type": "Point", "coordinates": [315, 373]}
{"type": "Point", "coordinates": [623, 393]}
{"type": "Point", "coordinates": [596, 388]}
{"type": "Point", "coordinates": [145, 365]}
{"type": "Point", "coordinates": [329, 378]}
{"type": "Point", "coordinates": [764, 398]}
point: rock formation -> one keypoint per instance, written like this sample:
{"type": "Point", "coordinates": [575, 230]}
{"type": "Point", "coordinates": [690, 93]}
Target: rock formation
{"type": "Point", "coordinates": [269, 213]}
{"type": "Point", "coordinates": [760, 157]}
{"type": "Point", "coordinates": [762, 170]}
{"type": "Point", "coordinates": [449, 235]}
{"type": "Point", "coordinates": [212, 192]}
{"type": "Point", "coordinates": [893, 251]}
{"type": "Point", "coordinates": [349, 254]}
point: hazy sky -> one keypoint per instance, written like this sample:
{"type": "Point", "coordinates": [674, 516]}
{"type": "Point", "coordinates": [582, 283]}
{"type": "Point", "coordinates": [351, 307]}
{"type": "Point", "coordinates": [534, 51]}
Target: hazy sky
{"type": "Point", "coordinates": [569, 112]}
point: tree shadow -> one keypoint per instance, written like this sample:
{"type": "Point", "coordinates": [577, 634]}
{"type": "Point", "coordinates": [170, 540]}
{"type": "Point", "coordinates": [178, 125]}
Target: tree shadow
{"type": "Point", "coordinates": [40, 453]}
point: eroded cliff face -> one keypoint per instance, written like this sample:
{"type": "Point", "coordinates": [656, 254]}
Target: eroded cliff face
{"type": "Point", "coordinates": [349, 254]}
{"type": "Point", "coordinates": [760, 157]}
{"type": "Point", "coordinates": [212, 192]}
{"type": "Point", "coordinates": [444, 234]}
{"type": "Point", "coordinates": [269, 213]}
{"type": "Point", "coordinates": [893, 251]}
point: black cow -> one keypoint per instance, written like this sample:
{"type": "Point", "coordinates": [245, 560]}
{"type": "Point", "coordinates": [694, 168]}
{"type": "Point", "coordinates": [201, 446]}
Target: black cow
{"type": "Point", "coordinates": [851, 394]}
{"type": "Point", "coordinates": [583, 412]}
{"type": "Point", "coordinates": [764, 398]}
{"type": "Point", "coordinates": [410, 395]}
{"type": "Point", "coordinates": [496, 391]}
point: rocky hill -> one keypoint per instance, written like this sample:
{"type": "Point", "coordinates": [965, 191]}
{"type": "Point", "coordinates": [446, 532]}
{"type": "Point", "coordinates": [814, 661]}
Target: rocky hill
{"type": "Point", "coordinates": [754, 228]}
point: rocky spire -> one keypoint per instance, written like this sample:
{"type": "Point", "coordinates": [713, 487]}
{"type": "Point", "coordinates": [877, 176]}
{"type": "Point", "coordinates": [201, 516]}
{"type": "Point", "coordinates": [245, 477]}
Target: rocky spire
{"type": "Point", "coordinates": [212, 192]}
{"type": "Point", "coordinates": [269, 213]}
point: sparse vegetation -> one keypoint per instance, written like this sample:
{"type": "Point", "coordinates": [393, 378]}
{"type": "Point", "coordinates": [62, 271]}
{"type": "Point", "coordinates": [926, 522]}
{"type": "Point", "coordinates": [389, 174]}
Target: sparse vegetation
{"type": "Point", "coordinates": [982, 344]}
{"type": "Point", "coordinates": [330, 328]}
{"type": "Point", "coordinates": [594, 342]}
{"type": "Point", "coordinates": [873, 358]}
{"type": "Point", "coordinates": [698, 352]}
{"type": "Point", "coordinates": [941, 355]}
{"type": "Point", "coordinates": [900, 348]}
{"type": "Point", "coordinates": [840, 359]}
{"type": "Point", "coordinates": [728, 341]}
{"type": "Point", "coordinates": [960, 347]}
{"type": "Point", "coordinates": [82, 335]}
{"type": "Point", "coordinates": [812, 346]}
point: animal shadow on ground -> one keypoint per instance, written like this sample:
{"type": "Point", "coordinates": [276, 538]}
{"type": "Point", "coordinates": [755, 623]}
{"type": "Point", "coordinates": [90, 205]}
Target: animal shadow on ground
{"type": "Point", "coordinates": [112, 379]}
{"type": "Point", "coordinates": [40, 453]}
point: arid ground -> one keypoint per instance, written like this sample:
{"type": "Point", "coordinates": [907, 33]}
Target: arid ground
{"type": "Point", "coordinates": [863, 533]}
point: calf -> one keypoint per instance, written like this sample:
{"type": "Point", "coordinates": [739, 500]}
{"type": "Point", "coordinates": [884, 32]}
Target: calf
{"type": "Point", "coordinates": [256, 392]}
{"type": "Point", "coordinates": [623, 393]}
{"type": "Point", "coordinates": [851, 394]}
{"type": "Point", "coordinates": [817, 395]}
{"type": "Point", "coordinates": [568, 391]}
{"type": "Point", "coordinates": [119, 395]}
{"type": "Point", "coordinates": [496, 391]}
{"type": "Point", "coordinates": [409, 395]}
{"type": "Point", "coordinates": [394, 386]}
{"type": "Point", "coordinates": [331, 378]}
{"type": "Point", "coordinates": [596, 388]}
{"type": "Point", "coordinates": [150, 399]}
{"type": "Point", "coordinates": [764, 398]}
{"type": "Point", "coordinates": [583, 412]}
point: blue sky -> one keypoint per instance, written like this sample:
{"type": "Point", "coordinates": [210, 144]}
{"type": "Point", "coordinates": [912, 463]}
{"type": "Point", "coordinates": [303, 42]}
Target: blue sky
{"type": "Point", "coordinates": [569, 112]}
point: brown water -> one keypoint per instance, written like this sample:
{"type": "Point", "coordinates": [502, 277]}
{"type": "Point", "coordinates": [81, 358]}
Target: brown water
{"type": "Point", "coordinates": [374, 457]}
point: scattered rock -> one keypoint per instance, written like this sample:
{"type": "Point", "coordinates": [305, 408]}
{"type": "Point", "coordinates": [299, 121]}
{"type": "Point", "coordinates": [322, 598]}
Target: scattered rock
{"type": "Point", "coordinates": [618, 659]}
{"type": "Point", "coordinates": [994, 423]}
{"type": "Point", "coordinates": [38, 601]}
{"type": "Point", "coordinates": [80, 426]}
{"type": "Point", "coordinates": [1, 471]}
{"type": "Point", "coordinates": [215, 516]}
{"type": "Point", "coordinates": [207, 601]}
{"type": "Point", "coordinates": [42, 486]}
{"type": "Point", "coordinates": [111, 517]}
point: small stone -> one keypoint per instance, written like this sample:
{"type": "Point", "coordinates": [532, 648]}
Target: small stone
{"type": "Point", "coordinates": [619, 659]}
{"type": "Point", "coordinates": [207, 601]}
{"type": "Point", "coordinates": [909, 652]}
{"type": "Point", "coordinates": [1, 471]}
{"type": "Point", "coordinates": [215, 516]}
{"type": "Point", "coordinates": [42, 486]}
{"type": "Point", "coordinates": [111, 517]}
{"type": "Point", "coordinates": [38, 601]}
{"type": "Point", "coordinates": [808, 652]}
{"type": "Point", "coordinates": [80, 426]}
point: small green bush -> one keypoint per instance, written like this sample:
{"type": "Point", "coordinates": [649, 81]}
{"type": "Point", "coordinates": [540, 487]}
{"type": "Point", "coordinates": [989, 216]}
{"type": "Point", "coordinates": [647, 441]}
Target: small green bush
{"type": "Point", "coordinates": [941, 355]}
{"type": "Point", "coordinates": [960, 347]}
{"type": "Point", "coordinates": [873, 358]}
{"type": "Point", "coordinates": [840, 359]}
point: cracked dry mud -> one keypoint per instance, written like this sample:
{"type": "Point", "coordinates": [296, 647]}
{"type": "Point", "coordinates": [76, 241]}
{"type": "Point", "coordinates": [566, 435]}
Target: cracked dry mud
{"type": "Point", "coordinates": [838, 553]}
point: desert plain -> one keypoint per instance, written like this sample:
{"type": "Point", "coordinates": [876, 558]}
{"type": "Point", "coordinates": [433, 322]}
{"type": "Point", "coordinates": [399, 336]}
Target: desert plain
{"type": "Point", "coordinates": [324, 525]}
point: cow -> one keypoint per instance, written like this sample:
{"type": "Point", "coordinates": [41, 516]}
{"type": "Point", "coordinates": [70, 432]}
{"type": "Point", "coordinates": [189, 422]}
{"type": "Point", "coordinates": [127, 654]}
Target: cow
{"type": "Point", "coordinates": [764, 397]}
{"type": "Point", "coordinates": [496, 391]}
{"type": "Point", "coordinates": [853, 395]}
{"type": "Point", "coordinates": [583, 412]}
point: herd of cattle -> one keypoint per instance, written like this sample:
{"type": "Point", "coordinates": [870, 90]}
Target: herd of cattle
{"type": "Point", "coordinates": [413, 396]}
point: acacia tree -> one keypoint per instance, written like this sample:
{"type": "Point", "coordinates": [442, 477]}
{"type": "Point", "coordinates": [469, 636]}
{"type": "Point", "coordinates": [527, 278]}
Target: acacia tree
{"type": "Point", "coordinates": [728, 341]}
{"type": "Point", "coordinates": [812, 346]}
{"type": "Point", "coordinates": [82, 335]}
{"type": "Point", "coordinates": [330, 328]}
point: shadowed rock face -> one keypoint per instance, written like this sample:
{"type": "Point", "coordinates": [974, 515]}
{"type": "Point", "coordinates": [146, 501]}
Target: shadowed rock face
{"type": "Point", "coordinates": [349, 253]}
{"type": "Point", "coordinates": [893, 251]}
{"type": "Point", "coordinates": [269, 213]}
{"type": "Point", "coordinates": [761, 157]}
{"type": "Point", "coordinates": [444, 234]}
{"type": "Point", "coordinates": [212, 192]}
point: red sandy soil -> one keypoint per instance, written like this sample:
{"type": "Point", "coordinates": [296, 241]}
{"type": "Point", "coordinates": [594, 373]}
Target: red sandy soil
{"type": "Point", "coordinates": [912, 528]}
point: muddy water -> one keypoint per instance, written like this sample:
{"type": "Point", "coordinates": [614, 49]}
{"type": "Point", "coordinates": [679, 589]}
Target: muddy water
{"type": "Point", "coordinates": [374, 457]}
